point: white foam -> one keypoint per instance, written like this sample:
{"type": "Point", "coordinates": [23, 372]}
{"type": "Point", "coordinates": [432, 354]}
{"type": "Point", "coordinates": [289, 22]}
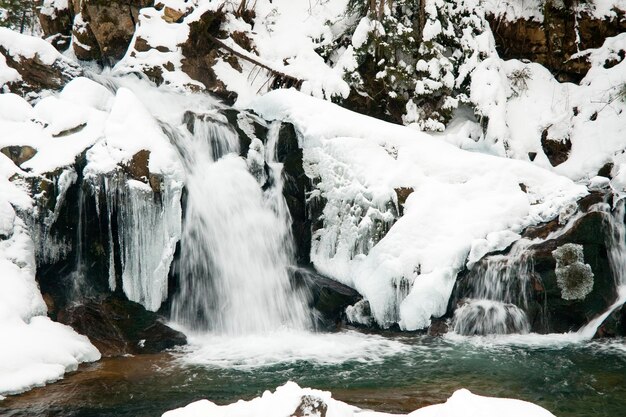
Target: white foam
{"type": "Point", "coordinates": [288, 346]}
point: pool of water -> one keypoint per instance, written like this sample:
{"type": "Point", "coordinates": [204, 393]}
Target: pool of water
{"type": "Point", "coordinates": [394, 373]}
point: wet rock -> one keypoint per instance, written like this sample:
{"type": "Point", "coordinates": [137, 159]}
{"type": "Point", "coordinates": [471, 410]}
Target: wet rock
{"type": "Point", "coordinates": [119, 327]}
{"type": "Point", "coordinates": [563, 314]}
{"type": "Point", "coordinates": [19, 154]}
{"type": "Point", "coordinates": [606, 170]}
{"type": "Point", "coordinates": [296, 187]}
{"type": "Point", "coordinates": [327, 296]}
{"type": "Point", "coordinates": [310, 406]}
{"type": "Point", "coordinates": [438, 327]}
{"type": "Point", "coordinates": [614, 325]}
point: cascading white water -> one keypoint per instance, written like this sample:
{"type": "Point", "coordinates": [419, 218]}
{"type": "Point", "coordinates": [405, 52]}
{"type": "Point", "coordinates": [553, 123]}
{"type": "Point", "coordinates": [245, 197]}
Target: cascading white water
{"type": "Point", "coordinates": [500, 290]}
{"type": "Point", "coordinates": [235, 246]}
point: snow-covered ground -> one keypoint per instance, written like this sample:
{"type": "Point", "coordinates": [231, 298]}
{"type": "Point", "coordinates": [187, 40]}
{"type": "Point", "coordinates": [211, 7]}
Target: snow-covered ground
{"type": "Point", "coordinates": [290, 399]}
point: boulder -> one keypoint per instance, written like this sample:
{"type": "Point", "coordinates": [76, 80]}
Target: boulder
{"type": "Point", "coordinates": [112, 24]}
{"type": "Point", "coordinates": [327, 296]}
{"type": "Point", "coordinates": [39, 65]}
{"type": "Point", "coordinates": [120, 327]}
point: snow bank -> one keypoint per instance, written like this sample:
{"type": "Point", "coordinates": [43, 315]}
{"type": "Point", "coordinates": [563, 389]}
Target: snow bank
{"type": "Point", "coordinates": [290, 399]}
{"type": "Point", "coordinates": [460, 200]}
{"type": "Point", "coordinates": [524, 102]}
{"type": "Point", "coordinates": [34, 350]}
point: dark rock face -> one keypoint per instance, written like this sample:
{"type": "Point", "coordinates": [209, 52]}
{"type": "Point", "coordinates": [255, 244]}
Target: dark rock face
{"type": "Point", "coordinates": [565, 315]}
{"type": "Point", "coordinates": [329, 297]}
{"type": "Point", "coordinates": [295, 189]}
{"type": "Point", "coordinates": [118, 327]}
{"type": "Point", "coordinates": [553, 42]}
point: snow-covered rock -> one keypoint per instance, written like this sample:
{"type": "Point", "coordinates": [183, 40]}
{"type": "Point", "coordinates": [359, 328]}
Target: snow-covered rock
{"type": "Point", "coordinates": [291, 400]}
{"type": "Point", "coordinates": [461, 201]}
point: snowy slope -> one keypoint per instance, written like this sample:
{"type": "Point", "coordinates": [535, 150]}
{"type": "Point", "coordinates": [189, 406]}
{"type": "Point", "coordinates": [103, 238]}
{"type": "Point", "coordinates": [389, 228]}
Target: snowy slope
{"type": "Point", "coordinates": [464, 204]}
{"type": "Point", "coordinates": [34, 350]}
{"type": "Point", "coordinates": [290, 399]}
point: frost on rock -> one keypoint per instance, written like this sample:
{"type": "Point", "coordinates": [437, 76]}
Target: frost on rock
{"type": "Point", "coordinates": [573, 276]}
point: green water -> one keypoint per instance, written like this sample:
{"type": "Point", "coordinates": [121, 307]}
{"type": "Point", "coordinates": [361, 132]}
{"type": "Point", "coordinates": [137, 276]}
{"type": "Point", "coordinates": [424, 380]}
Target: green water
{"type": "Point", "coordinates": [570, 380]}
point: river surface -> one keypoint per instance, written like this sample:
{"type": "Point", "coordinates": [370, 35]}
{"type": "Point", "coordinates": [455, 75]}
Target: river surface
{"type": "Point", "coordinates": [394, 373]}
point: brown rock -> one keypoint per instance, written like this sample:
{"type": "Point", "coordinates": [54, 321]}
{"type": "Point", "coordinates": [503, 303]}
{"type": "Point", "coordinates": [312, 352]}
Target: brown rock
{"type": "Point", "coordinates": [119, 327]}
{"type": "Point", "coordinates": [85, 44]}
{"type": "Point", "coordinates": [58, 27]}
{"type": "Point", "coordinates": [402, 194]}
{"type": "Point", "coordinates": [112, 23]}
{"type": "Point", "coordinates": [137, 168]}
{"type": "Point", "coordinates": [37, 75]}
{"type": "Point", "coordinates": [557, 150]}
{"type": "Point", "coordinates": [172, 15]}
{"type": "Point", "coordinates": [19, 154]}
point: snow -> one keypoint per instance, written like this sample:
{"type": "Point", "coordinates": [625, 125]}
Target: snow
{"type": "Point", "coordinates": [23, 46]}
{"type": "Point", "coordinates": [34, 349]}
{"type": "Point", "coordinates": [461, 200]}
{"type": "Point", "coordinates": [523, 101]}
{"type": "Point", "coordinates": [286, 36]}
{"type": "Point", "coordinates": [289, 397]}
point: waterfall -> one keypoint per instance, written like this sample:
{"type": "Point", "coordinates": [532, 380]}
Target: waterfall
{"type": "Point", "coordinates": [500, 288]}
{"type": "Point", "coordinates": [236, 245]}
{"type": "Point", "coordinates": [616, 244]}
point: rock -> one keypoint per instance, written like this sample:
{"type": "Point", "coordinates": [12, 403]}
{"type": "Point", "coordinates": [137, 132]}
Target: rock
{"type": "Point", "coordinates": [552, 42]}
{"type": "Point", "coordinates": [37, 72]}
{"type": "Point", "coordinates": [172, 15]}
{"type": "Point", "coordinates": [310, 406]}
{"type": "Point", "coordinates": [112, 23]}
{"type": "Point", "coordinates": [56, 19]}
{"type": "Point", "coordinates": [137, 167]}
{"type": "Point", "coordinates": [614, 325]}
{"type": "Point", "coordinates": [571, 313]}
{"type": "Point", "coordinates": [19, 154]}
{"type": "Point", "coordinates": [296, 186]}
{"type": "Point", "coordinates": [557, 150]}
{"type": "Point", "coordinates": [85, 44]}
{"type": "Point", "coordinates": [120, 327]}
{"type": "Point", "coordinates": [327, 296]}
{"type": "Point", "coordinates": [402, 194]}
{"type": "Point", "coordinates": [200, 53]}
{"type": "Point", "coordinates": [606, 170]}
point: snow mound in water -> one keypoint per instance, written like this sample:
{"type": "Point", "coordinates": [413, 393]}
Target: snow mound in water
{"type": "Point", "coordinates": [457, 200]}
{"type": "Point", "coordinates": [290, 399]}
{"type": "Point", "coordinates": [288, 346]}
